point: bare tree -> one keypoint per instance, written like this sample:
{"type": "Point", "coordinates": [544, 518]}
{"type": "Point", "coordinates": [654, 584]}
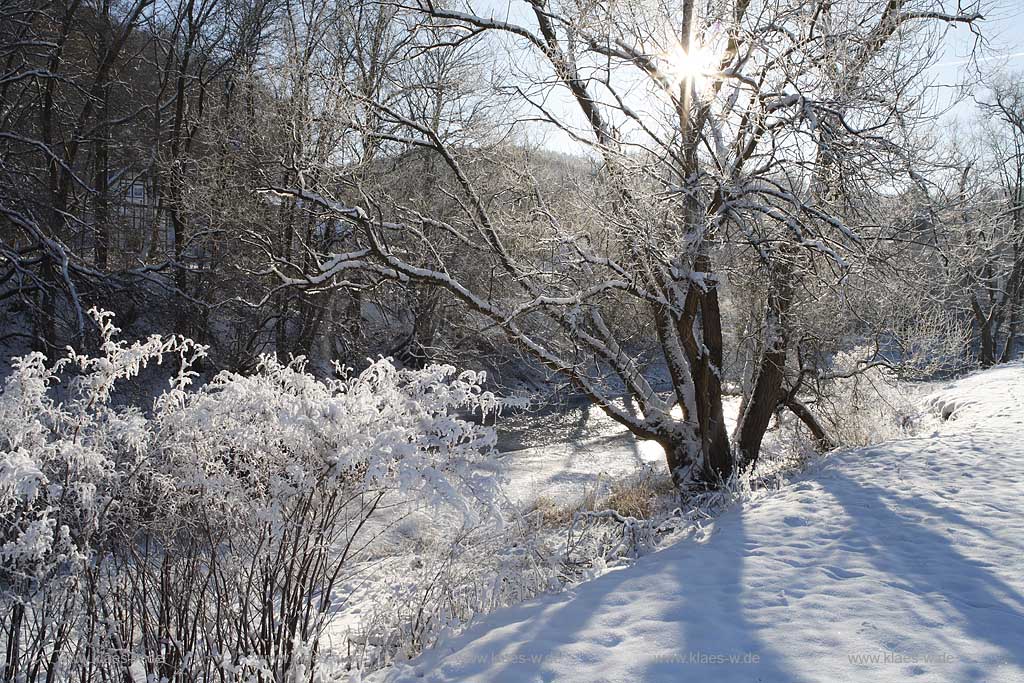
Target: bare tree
{"type": "Point", "coordinates": [998, 281]}
{"type": "Point", "coordinates": [751, 136]}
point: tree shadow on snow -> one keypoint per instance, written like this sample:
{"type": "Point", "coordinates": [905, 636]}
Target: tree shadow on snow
{"type": "Point", "coordinates": [676, 615]}
{"type": "Point", "coordinates": [923, 560]}
{"type": "Point", "coordinates": [720, 632]}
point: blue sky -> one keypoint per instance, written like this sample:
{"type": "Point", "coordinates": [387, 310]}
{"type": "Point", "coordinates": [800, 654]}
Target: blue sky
{"type": "Point", "coordinates": [1001, 47]}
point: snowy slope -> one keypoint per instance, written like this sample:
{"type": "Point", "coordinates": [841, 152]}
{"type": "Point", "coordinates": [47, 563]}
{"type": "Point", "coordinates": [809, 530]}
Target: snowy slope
{"type": "Point", "coordinates": [903, 561]}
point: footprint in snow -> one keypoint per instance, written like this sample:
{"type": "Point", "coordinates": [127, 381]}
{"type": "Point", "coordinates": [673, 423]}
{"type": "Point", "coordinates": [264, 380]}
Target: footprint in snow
{"type": "Point", "coordinates": [866, 626]}
{"type": "Point", "coordinates": [840, 574]}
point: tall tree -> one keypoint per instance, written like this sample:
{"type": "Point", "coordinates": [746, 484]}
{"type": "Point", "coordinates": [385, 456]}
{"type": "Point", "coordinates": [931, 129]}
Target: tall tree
{"type": "Point", "coordinates": [744, 135]}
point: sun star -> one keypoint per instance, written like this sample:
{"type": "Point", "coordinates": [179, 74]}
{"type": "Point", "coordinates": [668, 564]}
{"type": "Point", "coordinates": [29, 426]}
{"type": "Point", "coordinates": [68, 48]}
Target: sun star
{"type": "Point", "coordinates": [693, 65]}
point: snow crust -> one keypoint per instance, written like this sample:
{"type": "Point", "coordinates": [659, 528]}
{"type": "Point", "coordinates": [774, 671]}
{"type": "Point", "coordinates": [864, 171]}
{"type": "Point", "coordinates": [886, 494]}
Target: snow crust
{"type": "Point", "coordinates": [901, 561]}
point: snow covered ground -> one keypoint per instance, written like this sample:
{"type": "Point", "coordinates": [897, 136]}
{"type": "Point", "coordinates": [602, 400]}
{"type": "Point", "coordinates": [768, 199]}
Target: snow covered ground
{"type": "Point", "coordinates": [903, 561]}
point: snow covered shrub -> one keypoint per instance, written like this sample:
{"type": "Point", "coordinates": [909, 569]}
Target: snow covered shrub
{"type": "Point", "coordinates": [600, 538]}
{"type": "Point", "coordinates": [66, 466]}
{"type": "Point", "coordinates": [605, 536]}
{"type": "Point", "coordinates": [206, 536]}
{"type": "Point", "coordinates": [441, 587]}
{"type": "Point", "coordinates": [864, 406]}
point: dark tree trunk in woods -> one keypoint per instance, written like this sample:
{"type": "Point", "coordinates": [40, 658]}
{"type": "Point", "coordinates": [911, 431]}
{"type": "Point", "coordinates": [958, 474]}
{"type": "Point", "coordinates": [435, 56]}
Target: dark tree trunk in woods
{"type": "Point", "coordinates": [101, 204]}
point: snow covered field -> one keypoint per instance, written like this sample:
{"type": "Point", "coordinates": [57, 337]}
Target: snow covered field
{"type": "Point", "coordinates": [903, 561]}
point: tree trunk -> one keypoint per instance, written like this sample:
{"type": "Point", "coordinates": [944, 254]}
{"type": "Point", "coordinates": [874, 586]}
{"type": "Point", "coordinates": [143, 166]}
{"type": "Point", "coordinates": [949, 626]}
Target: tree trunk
{"type": "Point", "coordinates": [705, 359]}
{"type": "Point", "coordinates": [761, 404]}
{"type": "Point", "coordinates": [822, 440]}
{"type": "Point", "coordinates": [1010, 344]}
{"type": "Point", "coordinates": [1012, 301]}
{"type": "Point", "coordinates": [718, 463]}
{"type": "Point", "coordinates": [101, 204]}
{"type": "Point", "coordinates": [987, 353]}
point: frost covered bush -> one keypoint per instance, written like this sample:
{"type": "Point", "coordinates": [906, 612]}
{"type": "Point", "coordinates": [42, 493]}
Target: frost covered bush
{"type": "Point", "coordinates": [440, 584]}
{"type": "Point", "coordinates": [204, 537]}
{"type": "Point", "coordinates": [441, 587]}
{"type": "Point", "coordinates": [864, 406]}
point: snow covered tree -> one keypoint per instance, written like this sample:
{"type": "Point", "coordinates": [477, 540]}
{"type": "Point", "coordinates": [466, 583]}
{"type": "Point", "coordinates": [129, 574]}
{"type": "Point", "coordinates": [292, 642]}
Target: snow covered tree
{"type": "Point", "coordinates": [996, 280]}
{"type": "Point", "coordinates": [753, 136]}
{"type": "Point", "coordinates": [967, 224]}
